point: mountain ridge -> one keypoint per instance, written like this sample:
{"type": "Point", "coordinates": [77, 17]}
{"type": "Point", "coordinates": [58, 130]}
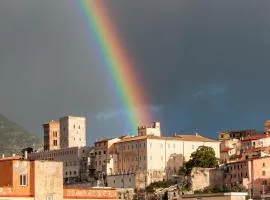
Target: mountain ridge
{"type": "Point", "coordinates": [13, 137]}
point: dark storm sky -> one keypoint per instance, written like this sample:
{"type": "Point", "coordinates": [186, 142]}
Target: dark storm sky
{"type": "Point", "coordinates": [204, 64]}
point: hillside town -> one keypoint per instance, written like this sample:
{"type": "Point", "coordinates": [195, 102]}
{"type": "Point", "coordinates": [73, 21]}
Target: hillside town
{"type": "Point", "coordinates": [147, 165]}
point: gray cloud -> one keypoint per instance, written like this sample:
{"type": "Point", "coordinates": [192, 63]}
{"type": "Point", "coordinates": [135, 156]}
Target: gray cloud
{"type": "Point", "coordinates": [215, 50]}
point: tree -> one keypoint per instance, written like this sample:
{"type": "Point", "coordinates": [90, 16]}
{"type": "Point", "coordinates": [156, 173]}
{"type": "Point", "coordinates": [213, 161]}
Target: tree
{"type": "Point", "coordinates": [28, 150]}
{"type": "Point", "coordinates": [159, 184]}
{"type": "Point", "coordinates": [203, 157]}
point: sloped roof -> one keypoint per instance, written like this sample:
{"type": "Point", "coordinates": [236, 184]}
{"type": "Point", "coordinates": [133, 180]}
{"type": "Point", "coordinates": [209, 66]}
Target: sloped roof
{"type": "Point", "coordinates": [11, 158]}
{"type": "Point", "coordinates": [255, 137]}
{"type": "Point", "coordinates": [226, 149]}
{"type": "Point", "coordinates": [107, 139]}
{"type": "Point", "coordinates": [195, 138]}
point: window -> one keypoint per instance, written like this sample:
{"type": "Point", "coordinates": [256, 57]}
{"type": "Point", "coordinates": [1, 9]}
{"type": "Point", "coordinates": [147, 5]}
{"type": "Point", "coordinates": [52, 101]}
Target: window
{"type": "Point", "coordinates": [263, 173]}
{"type": "Point", "coordinates": [161, 157]}
{"type": "Point", "coordinates": [104, 152]}
{"type": "Point", "coordinates": [54, 142]}
{"type": "Point", "coordinates": [55, 133]}
{"type": "Point", "coordinates": [173, 145]}
{"type": "Point", "coordinates": [169, 145]}
{"type": "Point", "coordinates": [150, 144]}
{"type": "Point", "coordinates": [23, 180]}
{"type": "Point", "coordinates": [263, 164]}
{"type": "Point", "coordinates": [74, 126]}
{"type": "Point", "coordinates": [150, 157]}
{"type": "Point", "coordinates": [74, 172]}
{"type": "Point", "coordinates": [161, 145]}
{"type": "Point", "coordinates": [193, 146]}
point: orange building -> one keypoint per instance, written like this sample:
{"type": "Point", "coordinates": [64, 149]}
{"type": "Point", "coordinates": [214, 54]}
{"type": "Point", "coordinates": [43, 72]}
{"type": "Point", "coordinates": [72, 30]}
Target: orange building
{"type": "Point", "coordinates": [51, 135]}
{"type": "Point", "coordinates": [39, 180]}
{"type": "Point", "coordinates": [30, 179]}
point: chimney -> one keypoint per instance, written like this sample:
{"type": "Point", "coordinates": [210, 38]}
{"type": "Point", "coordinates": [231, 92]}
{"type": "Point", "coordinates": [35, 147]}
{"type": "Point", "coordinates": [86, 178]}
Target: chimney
{"type": "Point", "coordinates": [3, 155]}
{"type": "Point", "coordinates": [25, 155]}
{"type": "Point", "coordinates": [197, 134]}
{"type": "Point", "coordinates": [13, 155]}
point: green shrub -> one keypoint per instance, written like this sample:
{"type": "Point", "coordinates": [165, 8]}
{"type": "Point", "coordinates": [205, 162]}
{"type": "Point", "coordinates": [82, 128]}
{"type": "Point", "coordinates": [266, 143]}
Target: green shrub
{"type": "Point", "coordinates": [159, 184]}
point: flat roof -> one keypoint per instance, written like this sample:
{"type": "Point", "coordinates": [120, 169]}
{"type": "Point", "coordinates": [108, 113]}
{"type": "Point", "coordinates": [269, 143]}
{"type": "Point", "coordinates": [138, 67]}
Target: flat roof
{"type": "Point", "coordinates": [216, 194]}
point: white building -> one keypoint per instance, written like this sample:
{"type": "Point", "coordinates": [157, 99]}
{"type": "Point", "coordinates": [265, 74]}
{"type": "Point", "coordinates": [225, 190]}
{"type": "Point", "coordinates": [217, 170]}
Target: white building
{"type": "Point", "coordinates": [140, 160]}
{"type": "Point", "coordinates": [78, 160]}
{"type": "Point", "coordinates": [72, 132]}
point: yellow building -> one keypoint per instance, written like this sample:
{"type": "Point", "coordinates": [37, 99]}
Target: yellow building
{"type": "Point", "coordinates": [51, 135]}
{"type": "Point", "coordinates": [103, 154]}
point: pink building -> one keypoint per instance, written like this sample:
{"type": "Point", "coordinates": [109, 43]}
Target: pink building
{"type": "Point", "coordinates": [251, 174]}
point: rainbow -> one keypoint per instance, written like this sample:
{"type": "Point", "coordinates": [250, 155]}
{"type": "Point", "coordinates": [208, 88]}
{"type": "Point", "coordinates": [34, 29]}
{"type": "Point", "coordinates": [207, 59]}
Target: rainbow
{"type": "Point", "coordinates": [118, 64]}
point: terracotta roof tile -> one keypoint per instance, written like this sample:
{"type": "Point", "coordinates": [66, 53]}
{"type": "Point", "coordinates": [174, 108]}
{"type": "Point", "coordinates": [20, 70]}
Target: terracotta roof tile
{"type": "Point", "coordinates": [254, 137]}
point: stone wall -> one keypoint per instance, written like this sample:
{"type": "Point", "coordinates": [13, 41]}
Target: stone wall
{"type": "Point", "coordinates": [48, 180]}
{"type": "Point", "coordinates": [125, 193]}
{"type": "Point", "coordinates": [89, 193]}
{"type": "Point", "coordinates": [201, 178]}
